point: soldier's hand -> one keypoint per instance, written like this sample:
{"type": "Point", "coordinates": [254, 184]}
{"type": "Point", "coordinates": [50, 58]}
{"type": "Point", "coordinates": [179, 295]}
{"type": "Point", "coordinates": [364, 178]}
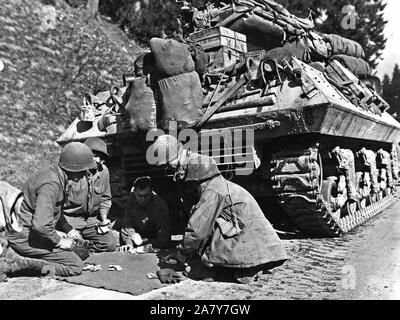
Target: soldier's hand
{"type": "Point", "coordinates": [105, 222]}
{"type": "Point", "coordinates": [74, 234]}
{"type": "Point", "coordinates": [66, 244]}
{"type": "Point", "coordinates": [62, 234]}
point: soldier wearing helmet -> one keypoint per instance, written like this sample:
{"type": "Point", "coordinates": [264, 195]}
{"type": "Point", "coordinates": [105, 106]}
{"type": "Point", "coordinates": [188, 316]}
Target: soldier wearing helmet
{"type": "Point", "coordinates": [226, 227]}
{"type": "Point", "coordinates": [44, 194]}
{"type": "Point", "coordinates": [88, 202]}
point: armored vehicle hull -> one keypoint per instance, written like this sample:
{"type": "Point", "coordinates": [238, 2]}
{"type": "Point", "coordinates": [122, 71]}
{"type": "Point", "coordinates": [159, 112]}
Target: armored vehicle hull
{"type": "Point", "coordinates": [314, 138]}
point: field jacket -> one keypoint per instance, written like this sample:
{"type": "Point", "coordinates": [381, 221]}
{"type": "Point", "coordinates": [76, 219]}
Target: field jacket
{"type": "Point", "coordinates": [228, 228]}
{"type": "Point", "coordinates": [88, 198]}
{"type": "Point", "coordinates": [41, 208]}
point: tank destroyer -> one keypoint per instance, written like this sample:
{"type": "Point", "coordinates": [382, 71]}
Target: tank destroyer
{"type": "Point", "coordinates": [291, 114]}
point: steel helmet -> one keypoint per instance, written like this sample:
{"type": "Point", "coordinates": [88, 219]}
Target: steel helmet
{"type": "Point", "coordinates": [165, 149]}
{"type": "Point", "coordinates": [201, 168]}
{"type": "Point", "coordinates": [76, 157]}
{"type": "Point", "coordinates": [98, 145]}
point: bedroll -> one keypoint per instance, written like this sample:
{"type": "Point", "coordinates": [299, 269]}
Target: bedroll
{"type": "Point", "coordinates": [357, 66]}
{"type": "Point", "coordinates": [344, 46]}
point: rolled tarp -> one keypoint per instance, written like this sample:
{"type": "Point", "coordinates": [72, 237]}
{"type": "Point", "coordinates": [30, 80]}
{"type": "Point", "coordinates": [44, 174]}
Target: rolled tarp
{"type": "Point", "coordinates": [344, 46]}
{"type": "Point", "coordinates": [358, 66]}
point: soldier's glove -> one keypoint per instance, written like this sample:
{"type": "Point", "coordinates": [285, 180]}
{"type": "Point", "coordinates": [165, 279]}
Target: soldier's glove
{"type": "Point", "coordinates": [169, 276]}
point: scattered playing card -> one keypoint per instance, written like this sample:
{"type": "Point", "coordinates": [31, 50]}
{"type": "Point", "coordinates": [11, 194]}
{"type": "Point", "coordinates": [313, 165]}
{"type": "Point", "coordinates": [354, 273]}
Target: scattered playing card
{"type": "Point", "coordinates": [92, 267]}
{"type": "Point", "coordinates": [151, 275]}
{"type": "Point", "coordinates": [114, 267]}
{"type": "Point", "coordinates": [176, 237]}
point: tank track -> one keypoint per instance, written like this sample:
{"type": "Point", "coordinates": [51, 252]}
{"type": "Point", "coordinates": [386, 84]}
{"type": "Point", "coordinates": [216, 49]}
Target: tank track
{"type": "Point", "coordinates": [297, 183]}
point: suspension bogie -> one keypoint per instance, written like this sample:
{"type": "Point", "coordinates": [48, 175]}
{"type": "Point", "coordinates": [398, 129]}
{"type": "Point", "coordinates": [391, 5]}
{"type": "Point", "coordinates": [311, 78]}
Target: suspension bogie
{"type": "Point", "coordinates": [356, 184]}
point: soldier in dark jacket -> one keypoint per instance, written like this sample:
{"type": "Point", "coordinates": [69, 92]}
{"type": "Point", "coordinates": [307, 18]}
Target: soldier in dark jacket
{"type": "Point", "coordinates": [44, 194]}
{"type": "Point", "coordinates": [88, 202]}
{"type": "Point", "coordinates": [146, 216]}
{"type": "Point", "coordinates": [226, 226]}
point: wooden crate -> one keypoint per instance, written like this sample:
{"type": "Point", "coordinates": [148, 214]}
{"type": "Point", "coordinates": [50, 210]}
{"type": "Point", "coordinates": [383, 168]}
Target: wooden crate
{"type": "Point", "coordinates": [223, 57]}
{"type": "Point", "coordinates": [219, 36]}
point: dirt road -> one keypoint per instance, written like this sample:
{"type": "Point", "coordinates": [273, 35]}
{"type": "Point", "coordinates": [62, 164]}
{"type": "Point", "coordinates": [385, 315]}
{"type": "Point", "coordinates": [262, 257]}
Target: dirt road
{"type": "Point", "coordinates": [364, 264]}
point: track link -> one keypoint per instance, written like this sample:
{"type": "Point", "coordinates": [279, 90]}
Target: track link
{"type": "Point", "coordinates": [297, 184]}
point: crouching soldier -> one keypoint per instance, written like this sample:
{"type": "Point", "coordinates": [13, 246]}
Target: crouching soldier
{"type": "Point", "coordinates": [226, 226]}
{"type": "Point", "coordinates": [88, 202]}
{"type": "Point", "coordinates": [44, 195]}
{"type": "Point", "coordinates": [146, 216]}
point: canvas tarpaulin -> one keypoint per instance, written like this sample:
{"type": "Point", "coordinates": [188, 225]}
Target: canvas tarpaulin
{"type": "Point", "coordinates": [344, 46]}
{"type": "Point", "coordinates": [358, 66]}
{"type": "Point", "coordinates": [132, 279]}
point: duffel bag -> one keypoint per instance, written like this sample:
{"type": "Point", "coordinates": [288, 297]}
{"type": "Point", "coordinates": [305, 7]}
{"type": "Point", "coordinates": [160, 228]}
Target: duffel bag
{"type": "Point", "coordinates": [141, 106]}
{"type": "Point", "coordinates": [261, 33]}
{"type": "Point", "coordinates": [357, 66]}
{"type": "Point", "coordinates": [344, 46]}
{"type": "Point", "coordinates": [267, 28]}
{"type": "Point", "coordinates": [182, 99]}
{"type": "Point", "coordinates": [171, 57]}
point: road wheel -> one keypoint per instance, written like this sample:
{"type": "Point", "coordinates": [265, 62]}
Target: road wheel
{"type": "Point", "coordinates": [359, 182]}
{"type": "Point", "coordinates": [329, 194]}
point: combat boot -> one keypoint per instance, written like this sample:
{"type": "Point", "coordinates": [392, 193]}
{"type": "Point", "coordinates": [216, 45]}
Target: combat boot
{"type": "Point", "coordinates": [12, 264]}
{"type": "Point", "coordinates": [247, 275]}
{"type": "Point", "coordinates": [198, 271]}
